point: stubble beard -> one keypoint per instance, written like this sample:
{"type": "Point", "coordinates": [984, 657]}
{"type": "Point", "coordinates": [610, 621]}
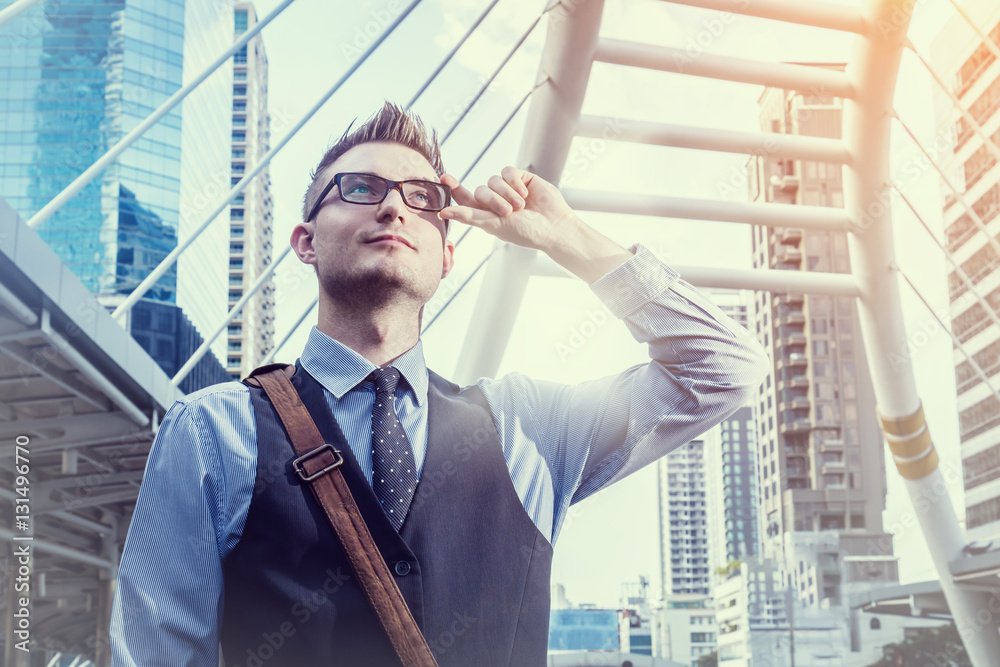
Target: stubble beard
{"type": "Point", "coordinates": [373, 287]}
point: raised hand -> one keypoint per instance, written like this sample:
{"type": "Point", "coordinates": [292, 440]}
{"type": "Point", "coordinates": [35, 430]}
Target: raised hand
{"type": "Point", "coordinates": [516, 206]}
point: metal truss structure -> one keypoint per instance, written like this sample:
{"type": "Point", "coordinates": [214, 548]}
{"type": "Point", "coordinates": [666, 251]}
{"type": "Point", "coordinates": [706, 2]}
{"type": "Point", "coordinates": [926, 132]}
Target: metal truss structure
{"type": "Point", "coordinates": [90, 407]}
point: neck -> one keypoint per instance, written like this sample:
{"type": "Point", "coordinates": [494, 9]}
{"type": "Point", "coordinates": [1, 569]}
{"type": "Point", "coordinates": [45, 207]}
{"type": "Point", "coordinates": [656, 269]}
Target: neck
{"type": "Point", "coordinates": [379, 335]}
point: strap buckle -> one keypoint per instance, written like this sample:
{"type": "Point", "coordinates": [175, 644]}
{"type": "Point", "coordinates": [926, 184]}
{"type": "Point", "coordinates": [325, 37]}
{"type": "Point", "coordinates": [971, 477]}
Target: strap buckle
{"type": "Point", "coordinates": [302, 473]}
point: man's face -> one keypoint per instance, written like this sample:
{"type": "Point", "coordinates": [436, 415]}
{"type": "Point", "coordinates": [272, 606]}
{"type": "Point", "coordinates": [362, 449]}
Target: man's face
{"type": "Point", "coordinates": [351, 262]}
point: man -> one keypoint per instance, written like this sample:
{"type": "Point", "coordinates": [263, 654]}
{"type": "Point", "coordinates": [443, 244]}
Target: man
{"type": "Point", "coordinates": [228, 545]}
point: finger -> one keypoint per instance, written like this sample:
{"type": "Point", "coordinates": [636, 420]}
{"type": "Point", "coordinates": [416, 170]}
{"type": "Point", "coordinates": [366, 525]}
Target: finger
{"type": "Point", "coordinates": [504, 189]}
{"type": "Point", "coordinates": [493, 202]}
{"type": "Point", "coordinates": [516, 178]}
{"type": "Point", "coordinates": [460, 193]}
{"type": "Point", "coordinates": [463, 214]}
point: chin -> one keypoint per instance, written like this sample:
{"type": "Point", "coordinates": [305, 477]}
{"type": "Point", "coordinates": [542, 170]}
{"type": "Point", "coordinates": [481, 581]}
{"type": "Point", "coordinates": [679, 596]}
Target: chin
{"type": "Point", "coordinates": [377, 283]}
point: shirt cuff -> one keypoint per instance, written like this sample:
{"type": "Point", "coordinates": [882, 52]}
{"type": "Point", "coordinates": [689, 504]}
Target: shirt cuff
{"type": "Point", "coordinates": [634, 283]}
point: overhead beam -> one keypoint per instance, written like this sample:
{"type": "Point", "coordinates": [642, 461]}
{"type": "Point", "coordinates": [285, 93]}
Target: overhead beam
{"type": "Point", "coordinates": [768, 280]}
{"type": "Point", "coordinates": [17, 308]}
{"type": "Point", "coordinates": [812, 80]}
{"type": "Point", "coordinates": [89, 481]}
{"type": "Point", "coordinates": [77, 429]}
{"type": "Point", "coordinates": [46, 367]}
{"type": "Point", "coordinates": [16, 9]}
{"type": "Point", "coordinates": [88, 370]}
{"type": "Point", "coordinates": [813, 13]}
{"type": "Point", "coordinates": [773, 145]}
{"type": "Point", "coordinates": [68, 423]}
{"type": "Point", "coordinates": [60, 550]}
{"type": "Point", "coordinates": [48, 505]}
{"type": "Point", "coordinates": [769, 215]}
{"type": "Point", "coordinates": [68, 517]}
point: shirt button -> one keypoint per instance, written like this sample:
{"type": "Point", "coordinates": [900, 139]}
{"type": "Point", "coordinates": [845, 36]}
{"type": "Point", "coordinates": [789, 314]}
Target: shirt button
{"type": "Point", "coordinates": [402, 568]}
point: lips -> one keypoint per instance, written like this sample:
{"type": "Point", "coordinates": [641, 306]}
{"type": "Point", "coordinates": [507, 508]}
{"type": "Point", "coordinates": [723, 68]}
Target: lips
{"type": "Point", "coordinates": [393, 237]}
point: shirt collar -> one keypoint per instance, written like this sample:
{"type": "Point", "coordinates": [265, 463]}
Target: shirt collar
{"type": "Point", "coordinates": [339, 368]}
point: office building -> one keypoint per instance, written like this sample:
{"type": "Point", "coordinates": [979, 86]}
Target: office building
{"type": "Point", "coordinates": [165, 332]}
{"type": "Point", "coordinates": [749, 599]}
{"type": "Point", "coordinates": [760, 623]}
{"type": "Point", "coordinates": [970, 67]}
{"type": "Point", "coordinates": [584, 629]}
{"type": "Point", "coordinates": [250, 334]}
{"type": "Point", "coordinates": [684, 565]}
{"type": "Point", "coordinates": [685, 631]}
{"type": "Point", "coordinates": [821, 463]}
{"type": "Point", "coordinates": [639, 618]}
{"type": "Point", "coordinates": [77, 78]}
{"type": "Point", "coordinates": [731, 489]}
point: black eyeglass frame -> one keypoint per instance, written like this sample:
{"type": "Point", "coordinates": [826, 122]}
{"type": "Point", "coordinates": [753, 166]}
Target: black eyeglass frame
{"type": "Point", "coordinates": [390, 186]}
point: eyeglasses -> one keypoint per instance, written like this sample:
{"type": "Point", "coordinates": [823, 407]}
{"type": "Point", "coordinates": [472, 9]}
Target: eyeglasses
{"type": "Point", "coordinates": [369, 189]}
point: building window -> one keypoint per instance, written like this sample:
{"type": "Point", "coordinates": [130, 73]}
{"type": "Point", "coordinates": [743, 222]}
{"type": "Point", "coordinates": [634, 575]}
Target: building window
{"type": "Point", "coordinates": [240, 136]}
{"type": "Point", "coordinates": [240, 90]}
{"type": "Point", "coordinates": [979, 418]}
{"type": "Point", "coordinates": [239, 105]}
{"type": "Point", "coordinates": [240, 57]}
{"type": "Point", "coordinates": [240, 23]}
{"type": "Point", "coordinates": [983, 513]}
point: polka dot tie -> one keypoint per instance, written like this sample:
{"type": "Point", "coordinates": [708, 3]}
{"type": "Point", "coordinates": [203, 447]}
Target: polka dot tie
{"type": "Point", "coordinates": [394, 469]}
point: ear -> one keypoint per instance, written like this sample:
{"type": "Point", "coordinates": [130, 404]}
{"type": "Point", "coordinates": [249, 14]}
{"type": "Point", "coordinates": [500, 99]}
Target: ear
{"type": "Point", "coordinates": [302, 242]}
{"type": "Point", "coordinates": [449, 259]}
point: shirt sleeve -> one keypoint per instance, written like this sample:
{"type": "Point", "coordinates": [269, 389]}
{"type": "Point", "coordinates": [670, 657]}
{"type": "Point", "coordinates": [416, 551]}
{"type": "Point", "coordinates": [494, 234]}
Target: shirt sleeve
{"type": "Point", "coordinates": [703, 367]}
{"type": "Point", "coordinates": [168, 596]}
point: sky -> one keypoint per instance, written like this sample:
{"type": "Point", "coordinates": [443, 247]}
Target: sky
{"type": "Point", "coordinates": [610, 538]}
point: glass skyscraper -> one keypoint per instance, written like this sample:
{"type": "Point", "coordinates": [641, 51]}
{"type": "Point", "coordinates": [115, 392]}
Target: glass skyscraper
{"type": "Point", "coordinates": [76, 77]}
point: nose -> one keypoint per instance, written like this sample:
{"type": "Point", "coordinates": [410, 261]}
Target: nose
{"type": "Point", "coordinates": [392, 207]}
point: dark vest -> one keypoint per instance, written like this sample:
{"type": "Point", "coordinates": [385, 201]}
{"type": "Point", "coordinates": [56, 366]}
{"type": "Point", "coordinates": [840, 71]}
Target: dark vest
{"type": "Point", "coordinates": [470, 563]}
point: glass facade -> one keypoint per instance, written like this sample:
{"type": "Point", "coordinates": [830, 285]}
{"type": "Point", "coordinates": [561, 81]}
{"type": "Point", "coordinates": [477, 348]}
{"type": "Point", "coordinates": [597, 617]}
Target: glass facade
{"type": "Point", "coordinates": [583, 630]}
{"type": "Point", "coordinates": [74, 79]}
{"type": "Point", "coordinates": [165, 332]}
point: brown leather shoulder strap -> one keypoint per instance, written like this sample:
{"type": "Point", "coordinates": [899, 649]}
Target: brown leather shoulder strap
{"type": "Point", "coordinates": [318, 464]}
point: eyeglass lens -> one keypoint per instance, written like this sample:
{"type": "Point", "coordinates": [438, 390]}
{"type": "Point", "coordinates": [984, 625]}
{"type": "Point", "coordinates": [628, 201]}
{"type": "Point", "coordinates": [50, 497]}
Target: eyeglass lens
{"type": "Point", "coordinates": [367, 189]}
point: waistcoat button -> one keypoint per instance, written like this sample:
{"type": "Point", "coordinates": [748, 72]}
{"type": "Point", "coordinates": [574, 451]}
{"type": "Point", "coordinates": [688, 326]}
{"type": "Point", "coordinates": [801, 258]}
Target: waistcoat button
{"type": "Point", "coordinates": [402, 568]}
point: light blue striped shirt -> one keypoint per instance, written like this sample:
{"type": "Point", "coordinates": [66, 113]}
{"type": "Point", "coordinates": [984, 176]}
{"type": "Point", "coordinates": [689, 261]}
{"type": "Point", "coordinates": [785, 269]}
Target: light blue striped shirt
{"type": "Point", "coordinates": [562, 443]}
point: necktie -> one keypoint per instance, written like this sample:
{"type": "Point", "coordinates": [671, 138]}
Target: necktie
{"type": "Point", "coordinates": [394, 469]}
